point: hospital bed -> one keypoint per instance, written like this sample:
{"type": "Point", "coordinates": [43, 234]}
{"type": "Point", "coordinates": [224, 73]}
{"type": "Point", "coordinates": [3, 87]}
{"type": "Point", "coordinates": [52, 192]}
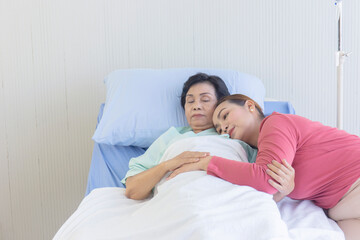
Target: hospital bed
{"type": "Point", "coordinates": [121, 135]}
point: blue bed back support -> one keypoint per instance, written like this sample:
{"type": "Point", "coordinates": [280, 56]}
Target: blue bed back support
{"type": "Point", "coordinates": [109, 163]}
{"type": "Point", "coordinates": [278, 106]}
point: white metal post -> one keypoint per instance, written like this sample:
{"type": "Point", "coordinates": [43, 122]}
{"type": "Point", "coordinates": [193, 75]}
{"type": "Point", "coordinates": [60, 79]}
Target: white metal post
{"type": "Point", "coordinates": [340, 58]}
{"type": "Point", "coordinates": [340, 74]}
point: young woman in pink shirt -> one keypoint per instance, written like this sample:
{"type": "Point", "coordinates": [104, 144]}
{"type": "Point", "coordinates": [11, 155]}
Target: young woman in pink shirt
{"type": "Point", "coordinates": [326, 160]}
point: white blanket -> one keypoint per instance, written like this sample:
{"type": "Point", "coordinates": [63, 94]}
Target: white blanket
{"type": "Point", "coordinates": [194, 205]}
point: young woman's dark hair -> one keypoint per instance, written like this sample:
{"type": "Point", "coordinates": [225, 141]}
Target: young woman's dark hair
{"type": "Point", "coordinates": [240, 100]}
{"type": "Point", "coordinates": [219, 85]}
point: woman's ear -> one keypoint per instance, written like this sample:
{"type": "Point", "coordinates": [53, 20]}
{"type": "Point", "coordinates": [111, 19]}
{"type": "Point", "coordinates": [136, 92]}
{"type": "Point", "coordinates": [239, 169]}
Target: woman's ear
{"type": "Point", "coordinates": [250, 105]}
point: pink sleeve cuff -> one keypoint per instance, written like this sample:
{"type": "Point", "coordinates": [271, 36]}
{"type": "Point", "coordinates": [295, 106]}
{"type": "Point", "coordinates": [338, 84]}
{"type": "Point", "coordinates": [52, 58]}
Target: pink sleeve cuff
{"type": "Point", "coordinates": [212, 168]}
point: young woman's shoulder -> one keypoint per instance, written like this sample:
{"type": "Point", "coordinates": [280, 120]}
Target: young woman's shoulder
{"type": "Point", "coordinates": [293, 123]}
{"type": "Point", "coordinates": [277, 119]}
{"type": "Point", "coordinates": [288, 123]}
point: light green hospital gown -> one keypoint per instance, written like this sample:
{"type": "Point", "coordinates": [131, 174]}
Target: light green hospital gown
{"type": "Point", "coordinates": [153, 154]}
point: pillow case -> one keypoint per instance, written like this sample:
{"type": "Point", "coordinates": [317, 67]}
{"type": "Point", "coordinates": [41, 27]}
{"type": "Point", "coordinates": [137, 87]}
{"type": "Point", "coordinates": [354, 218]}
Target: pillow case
{"type": "Point", "coordinates": [141, 104]}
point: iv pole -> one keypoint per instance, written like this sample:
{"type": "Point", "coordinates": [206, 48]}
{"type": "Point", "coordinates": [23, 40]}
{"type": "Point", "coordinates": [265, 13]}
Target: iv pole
{"type": "Point", "coordinates": [340, 58]}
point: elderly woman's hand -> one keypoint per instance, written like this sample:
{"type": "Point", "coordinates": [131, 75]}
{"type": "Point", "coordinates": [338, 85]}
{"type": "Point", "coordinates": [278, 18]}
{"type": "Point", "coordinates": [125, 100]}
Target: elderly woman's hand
{"type": "Point", "coordinates": [184, 158]}
{"type": "Point", "coordinates": [284, 176]}
{"type": "Point", "coordinates": [202, 164]}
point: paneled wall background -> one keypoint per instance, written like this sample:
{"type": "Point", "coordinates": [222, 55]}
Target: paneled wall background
{"type": "Point", "coordinates": [55, 54]}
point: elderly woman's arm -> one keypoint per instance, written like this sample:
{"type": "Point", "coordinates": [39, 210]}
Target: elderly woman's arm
{"type": "Point", "coordinates": [139, 187]}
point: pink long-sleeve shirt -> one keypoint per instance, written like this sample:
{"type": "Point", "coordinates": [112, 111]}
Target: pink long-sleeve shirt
{"type": "Point", "coordinates": [326, 160]}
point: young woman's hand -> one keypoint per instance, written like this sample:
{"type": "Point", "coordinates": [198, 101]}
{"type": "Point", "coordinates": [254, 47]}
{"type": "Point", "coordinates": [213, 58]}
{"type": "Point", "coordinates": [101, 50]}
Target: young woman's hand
{"type": "Point", "coordinates": [202, 164]}
{"type": "Point", "coordinates": [284, 176]}
{"type": "Point", "coordinates": [184, 158]}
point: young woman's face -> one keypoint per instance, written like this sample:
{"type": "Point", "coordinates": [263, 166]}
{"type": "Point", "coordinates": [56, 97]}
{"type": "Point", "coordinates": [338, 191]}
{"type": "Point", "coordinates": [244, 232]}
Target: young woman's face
{"type": "Point", "coordinates": [235, 120]}
{"type": "Point", "coordinates": [199, 106]}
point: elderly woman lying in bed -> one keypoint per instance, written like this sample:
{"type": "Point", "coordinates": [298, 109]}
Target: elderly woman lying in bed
{"type": "Point", "coordinates": [194, 205]}
{"type": "Point", "coordinates": [199, 97]}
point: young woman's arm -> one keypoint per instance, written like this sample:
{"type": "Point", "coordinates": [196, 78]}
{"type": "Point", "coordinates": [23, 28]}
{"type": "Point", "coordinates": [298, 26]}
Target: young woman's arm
{"type": "Point", "coordinates": [283, 174]}
{"type": "Point", "coordinates": [277, 140]}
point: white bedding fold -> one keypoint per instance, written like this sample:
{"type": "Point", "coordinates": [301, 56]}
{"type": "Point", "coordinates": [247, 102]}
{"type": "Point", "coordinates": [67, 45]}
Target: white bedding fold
{"type": "Point", "coordinates": [191, 206]}
{"type": "Point", "coordinates": [231, 213]}
{"type": "Point", "coordinates": [197, 206]}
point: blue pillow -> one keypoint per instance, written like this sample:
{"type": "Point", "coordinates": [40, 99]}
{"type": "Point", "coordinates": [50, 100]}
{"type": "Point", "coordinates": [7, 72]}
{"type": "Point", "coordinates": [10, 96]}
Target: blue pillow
{"type": "Point", "coordinates": [141, 104]}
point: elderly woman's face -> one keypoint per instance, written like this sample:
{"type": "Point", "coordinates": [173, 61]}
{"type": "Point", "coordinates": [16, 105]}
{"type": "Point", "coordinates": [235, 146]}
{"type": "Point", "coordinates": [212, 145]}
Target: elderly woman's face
{"type": "Point", "coordinates": [200, 105]}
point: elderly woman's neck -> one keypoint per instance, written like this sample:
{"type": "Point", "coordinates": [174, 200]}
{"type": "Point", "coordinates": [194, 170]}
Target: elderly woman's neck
{"type": "Point", "coordinates": [198, 130]}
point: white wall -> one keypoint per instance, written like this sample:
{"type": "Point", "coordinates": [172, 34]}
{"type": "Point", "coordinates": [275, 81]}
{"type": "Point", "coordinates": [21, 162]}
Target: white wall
{"type": "Point", "coordinates": [54, 55]}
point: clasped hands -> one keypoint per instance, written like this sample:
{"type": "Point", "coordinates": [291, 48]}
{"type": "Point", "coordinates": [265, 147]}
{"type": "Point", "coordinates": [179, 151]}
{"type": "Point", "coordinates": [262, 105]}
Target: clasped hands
{"type": "Point", "coordinates": [282, 174]}
{"type": "Point", "coordinates": [186, 162]}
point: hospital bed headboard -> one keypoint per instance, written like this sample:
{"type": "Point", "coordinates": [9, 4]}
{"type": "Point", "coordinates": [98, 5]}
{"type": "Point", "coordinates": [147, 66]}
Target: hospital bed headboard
{"type": "Point", "coordinates": [129, 120]}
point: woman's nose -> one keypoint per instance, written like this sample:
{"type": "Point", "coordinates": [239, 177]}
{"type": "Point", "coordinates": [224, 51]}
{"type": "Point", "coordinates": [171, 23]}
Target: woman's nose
{"type": "Point", "coordinates": [197, 106]}
{"type": "Point", "coordinates": [225, 129]}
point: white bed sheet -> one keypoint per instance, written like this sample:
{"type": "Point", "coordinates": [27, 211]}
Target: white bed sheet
{"type": "Point", "coordinates": [197, 206]}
